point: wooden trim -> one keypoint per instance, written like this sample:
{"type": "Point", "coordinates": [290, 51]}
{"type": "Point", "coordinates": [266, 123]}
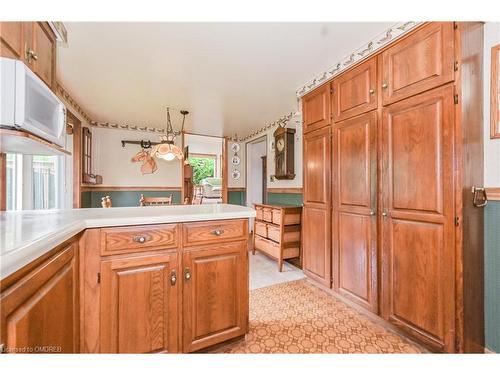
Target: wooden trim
{"type": "Point", "coordinates": [494, 105]}
{"type": "Point", "coordinates": [129, 188]}
{"type": "Point", "coordinates": [3, 182]}
{"type": "Point", "coordinates": [236, 189]}
{"type": "Point", "coordinates": [76, 126]}
{"type": "Point", "coordinates": [204, 135]}
{"type": "Point", "coordinates": [183, 145]}
{"type": "Point", "coordinates": [285, 190]}
{"type": "Point", "coordinates": [225, 171]}
{"type": "Point", "coordinates": [31, 138]}
{"type": "Point", "coordinates": [493, 193]}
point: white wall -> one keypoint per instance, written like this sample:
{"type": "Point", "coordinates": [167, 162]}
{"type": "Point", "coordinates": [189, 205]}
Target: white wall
{"type": "Point", "coordinates": [294, 123]}
{"type": "Point", "coordinates": [231, 182]}
{"type": "Point", "coordinates": [491, 146]}
{"type": "Point", "coordinates": [255, 151]}
{"type": "Point", "coordinates": [113, 162]}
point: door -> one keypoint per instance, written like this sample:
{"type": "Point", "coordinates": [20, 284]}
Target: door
{"type": "Point", "coordinates": [139, 304]}
{"type": "Point", "coordinates": [11, 40]}
{"type": "Point", "coordinates": [215, 294]}
{"type": "Point", "coordinates": [316, 221]}
{"type": "Point", "coordinates": [418, 211]}
{"type": "Point", "coordinates": [420, 62]}
{"type": "Point", "coordinates": [316, 108]}
{"type": "Point", "coordinates": [354, 229]}
{"type": "Point", "coordinates": [354, 91]}
{"type": "Point", "coordinates": [264, 179]}
{"type": "Point", "coordinates": [40, 312]}
{"type": "Point", "coordinates": [44, 47]}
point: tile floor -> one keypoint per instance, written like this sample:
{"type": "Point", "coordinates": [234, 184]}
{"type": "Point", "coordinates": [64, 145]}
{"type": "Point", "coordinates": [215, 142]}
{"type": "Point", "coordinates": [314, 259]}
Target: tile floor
{"type": "Point", "coordinates": [264, 271]}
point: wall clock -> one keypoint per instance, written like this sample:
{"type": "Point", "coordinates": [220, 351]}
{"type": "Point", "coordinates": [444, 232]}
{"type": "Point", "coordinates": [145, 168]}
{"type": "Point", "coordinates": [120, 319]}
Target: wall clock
{"type": "Point", "coordinates": [235, 160]}
{"type": "Point", "coordinates": [236, 174]}
{"type": "Point", "coordinates": [235, 147]}
{"type": "Point", "coordinates": [284, 154]}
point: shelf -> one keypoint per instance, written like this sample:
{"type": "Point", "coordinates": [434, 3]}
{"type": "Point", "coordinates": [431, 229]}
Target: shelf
{"type": "Point", "coordinates": [21, 142]}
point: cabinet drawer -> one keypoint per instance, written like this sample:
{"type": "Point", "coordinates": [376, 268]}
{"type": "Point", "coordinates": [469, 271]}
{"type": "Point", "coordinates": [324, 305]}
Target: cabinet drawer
{"type": "Point", "coordinates": [276, 216]}
{"type": "Point", "coordinates": [214, 231]}
{"type": "Point", "coordinates": [261, 229]}
{"type": "Point", "coordinates": [267, 246]}
{"type": "Point", "coordinates": [273, 233]}
{"type": "Point", "coordinates": [138, 238]}
{"type": "Point", "coordinates": [258, 211]}
{"type": "Point", "coordinates": [267, 214]}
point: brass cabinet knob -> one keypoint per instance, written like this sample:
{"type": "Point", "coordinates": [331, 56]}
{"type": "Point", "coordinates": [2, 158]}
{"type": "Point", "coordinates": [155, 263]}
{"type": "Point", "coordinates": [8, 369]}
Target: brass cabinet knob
{"type": "Point", "coordinates": [372, 91]}
{"type": "Point", "coordinates": [384, 214]}
{"type": "Point", "coordinates": [141, 239]}
{"type": "Point", "coordinates": [372, 212]}
{"type": "Point", "coordinates": [187, 273]}
{"type": "Point", "coordinates": [31, 55]}
{"type": "Point", "coordinates": [217, 232]}
{"type": "Point", "coordinates": [173, 277]}
{"type": "Point", "coordinates": [385, 85]}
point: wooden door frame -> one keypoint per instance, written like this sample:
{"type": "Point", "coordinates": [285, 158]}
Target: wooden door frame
{"type": "Point", "coordinates": [76, 124]}
{"type": "Point", "coordinates": [253, 141]}
{"type": "Point", "coordinates": [3, 182]}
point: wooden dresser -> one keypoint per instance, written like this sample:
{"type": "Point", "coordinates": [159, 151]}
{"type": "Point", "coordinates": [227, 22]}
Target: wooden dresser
{"type": "Point", "coordinates": [277, 231]}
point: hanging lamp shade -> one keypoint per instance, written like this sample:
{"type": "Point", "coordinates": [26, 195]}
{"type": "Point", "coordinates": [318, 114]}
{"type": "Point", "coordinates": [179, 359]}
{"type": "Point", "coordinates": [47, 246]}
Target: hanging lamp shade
{"type": "Point", "coordinates": [166, 149]}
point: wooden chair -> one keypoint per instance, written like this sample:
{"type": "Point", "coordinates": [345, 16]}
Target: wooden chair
{"type": "Point", "coordinates": [155, 201]}
{"type": "Point", "coordinates": [197, 200]}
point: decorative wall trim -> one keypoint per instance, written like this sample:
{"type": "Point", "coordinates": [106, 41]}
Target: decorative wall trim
{"type": "Point", "coordinates": [129, 188]}
{"type": "Point", "coordinates": [368, 49]}
{"type": "Point", "coordinates": [61, 91]}
{"type": "Point", "coordinates": [285, 190]}
{"type": "Point", "coordinates": [493, 193]}
{"type": "Point", "coordinates": [281, 121]}
{"type": "Point", "coordinates": [59, 30]}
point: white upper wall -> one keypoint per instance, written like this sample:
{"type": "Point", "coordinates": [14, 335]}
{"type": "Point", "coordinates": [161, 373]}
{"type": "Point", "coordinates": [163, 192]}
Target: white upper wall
{"type": "Point", "coordinates": [491, 146]}
{"type": "Point", "coordinates": [113, 162]}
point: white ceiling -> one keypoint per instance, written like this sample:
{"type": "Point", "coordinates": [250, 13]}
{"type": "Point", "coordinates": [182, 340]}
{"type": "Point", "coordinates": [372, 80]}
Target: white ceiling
{"type": "Point", "coordinates": [232, 77]}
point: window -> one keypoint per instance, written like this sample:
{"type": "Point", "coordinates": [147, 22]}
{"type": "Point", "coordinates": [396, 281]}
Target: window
{"type": "Point", "coordinates": [34, 182]}
{"type": "Point", "coordinates": [203, 166]}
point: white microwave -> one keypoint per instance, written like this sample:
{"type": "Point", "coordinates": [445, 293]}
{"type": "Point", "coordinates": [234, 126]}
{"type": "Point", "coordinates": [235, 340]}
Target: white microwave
{"type": "Point", "coordinates": [27, 103]}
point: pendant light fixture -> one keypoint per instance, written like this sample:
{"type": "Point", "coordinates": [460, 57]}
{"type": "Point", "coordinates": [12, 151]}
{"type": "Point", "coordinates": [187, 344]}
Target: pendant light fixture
{"type": "Point", "coordinates": [166, 149]}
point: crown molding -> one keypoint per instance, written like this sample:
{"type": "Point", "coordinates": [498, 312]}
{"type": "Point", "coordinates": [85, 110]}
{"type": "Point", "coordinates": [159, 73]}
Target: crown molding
{"type": "Point", "coordinates": [368, 49]}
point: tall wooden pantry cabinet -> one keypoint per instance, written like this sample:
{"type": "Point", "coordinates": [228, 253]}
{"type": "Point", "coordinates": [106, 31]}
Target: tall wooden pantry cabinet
{"type": "Point", "coordinates": [392, 151]}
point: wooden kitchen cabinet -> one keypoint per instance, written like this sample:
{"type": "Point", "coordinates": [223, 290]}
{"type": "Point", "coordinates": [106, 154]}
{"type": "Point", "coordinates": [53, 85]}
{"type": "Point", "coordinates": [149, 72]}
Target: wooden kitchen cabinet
{"type": "Point", "coordinates": [317, 168]}
{"type": "Point", "coordinates": [316, 109]}
{"type": "Point", "coordinates": [418, 63]}
{"type": "Point", "coordinates": [418, 224]}
{"type": "Point", "coordinates": [34, 43]}
{"type": "Point", "coordinates": [139, 297]}
{"type": "Point", "coordinates": [11, 40]}
{"type": "Point", "coordinates": [215, 294]}
{"type": "Point", "coordinates": [354, 92]}
{"type": "Point", "coordinates": [354, 223]}
{"type": "Point", "coordinates": [39, 311]}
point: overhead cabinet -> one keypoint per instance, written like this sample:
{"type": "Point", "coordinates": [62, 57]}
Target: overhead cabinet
{"type": "Point", "coordinates": [402, 162]}
{"type": "Point", "coordinates": [316, 109]}
{"type": "Point", "coordinates": [34, 43]}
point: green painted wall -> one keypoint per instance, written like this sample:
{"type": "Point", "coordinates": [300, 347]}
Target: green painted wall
{"type": "Point", "coordinates": [492, 275]}
{"type": "Point", "coordinates": [284, 198]}
{"type": "Point", "coordinates": [236, 197]}
{"type": "Point", "coordinates": [124, 198]}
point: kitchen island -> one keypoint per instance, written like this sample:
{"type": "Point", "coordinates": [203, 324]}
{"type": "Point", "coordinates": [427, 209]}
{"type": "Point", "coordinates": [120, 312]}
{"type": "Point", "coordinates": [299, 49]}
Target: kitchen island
{"type": "Point", "coordinates": [124, 280]}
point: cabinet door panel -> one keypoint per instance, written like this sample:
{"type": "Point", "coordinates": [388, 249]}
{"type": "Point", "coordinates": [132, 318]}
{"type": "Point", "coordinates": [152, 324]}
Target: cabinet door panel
{"type": "Point", "coordinates": [316, 109]}
{"type": "Point", "coordinates": [11, 39]}
{"type": "Point", "coordinates": [139, 304]}
{"type": "Point", "coordinates": [44, 47]}
{"type": "Point", "coordinates": [418, 63]}
{"type": "Point", "coordinates": [215, 296]}
{"type": "Point", "coordinates": [317, 164]}
{"type": "Point", "coordinates": [418, 252]}
{"type": "Point", "coordinates": [354, 204]}
{"type": "Point", "coordinates": [354, 91]}
{"type": "Point", "coordinates": [40, 312]}
{"type": "Point", "coordinates": [316, 244]}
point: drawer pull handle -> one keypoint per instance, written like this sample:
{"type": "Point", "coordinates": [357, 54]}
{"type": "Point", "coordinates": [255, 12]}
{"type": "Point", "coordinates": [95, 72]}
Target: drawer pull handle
{"type": "Point", "coordinates": [217, 232]}
{"type": "Point", "coordinates": [173, 277]}
{"type": "Point", "coordinates": [141, 239]}
{"type": "Point", "coordinates": [187, 273]}
{"type": "Point", "coordinates": [385, 85]}
{"type": "Point", "coordinates": [372, 91]}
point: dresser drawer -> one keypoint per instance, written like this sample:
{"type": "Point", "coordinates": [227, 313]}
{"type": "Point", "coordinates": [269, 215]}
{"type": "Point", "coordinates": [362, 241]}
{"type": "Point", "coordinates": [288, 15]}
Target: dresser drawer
{"type": "Point", "coordinates": [267, 246]}
{"type": "Point", "coordinates": [277, 216]}
{"type": "Point", "coordinates": [138, 238]}
{"type": "Point", "coordinates": [258, 212]}
{"type": "Point", "coordinates": [261, 229]}
{"type": "Point", "coordinates": [214, 231]}
{"type": "Point", "coordinates": [274, 233]}
{"type": "Point", "coordinates": [267, 214]}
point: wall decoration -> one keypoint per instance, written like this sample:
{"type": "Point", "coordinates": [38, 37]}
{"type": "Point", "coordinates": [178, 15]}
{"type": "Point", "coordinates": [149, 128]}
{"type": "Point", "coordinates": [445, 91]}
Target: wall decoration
{"type": "Point", "coordinates": [235, 160]}
{"type": "Point", "coordinates": [236, 174]}
{"type": "Point", "coordinates": [235, 147]}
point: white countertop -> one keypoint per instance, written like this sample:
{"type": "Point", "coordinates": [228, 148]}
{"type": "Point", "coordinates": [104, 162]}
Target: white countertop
{"type": "Point", "coordinates": [26, 235]}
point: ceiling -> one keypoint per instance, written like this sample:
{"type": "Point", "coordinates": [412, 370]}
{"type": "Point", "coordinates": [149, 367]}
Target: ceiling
{"type": "Point", "coordinates": [232, 77]}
